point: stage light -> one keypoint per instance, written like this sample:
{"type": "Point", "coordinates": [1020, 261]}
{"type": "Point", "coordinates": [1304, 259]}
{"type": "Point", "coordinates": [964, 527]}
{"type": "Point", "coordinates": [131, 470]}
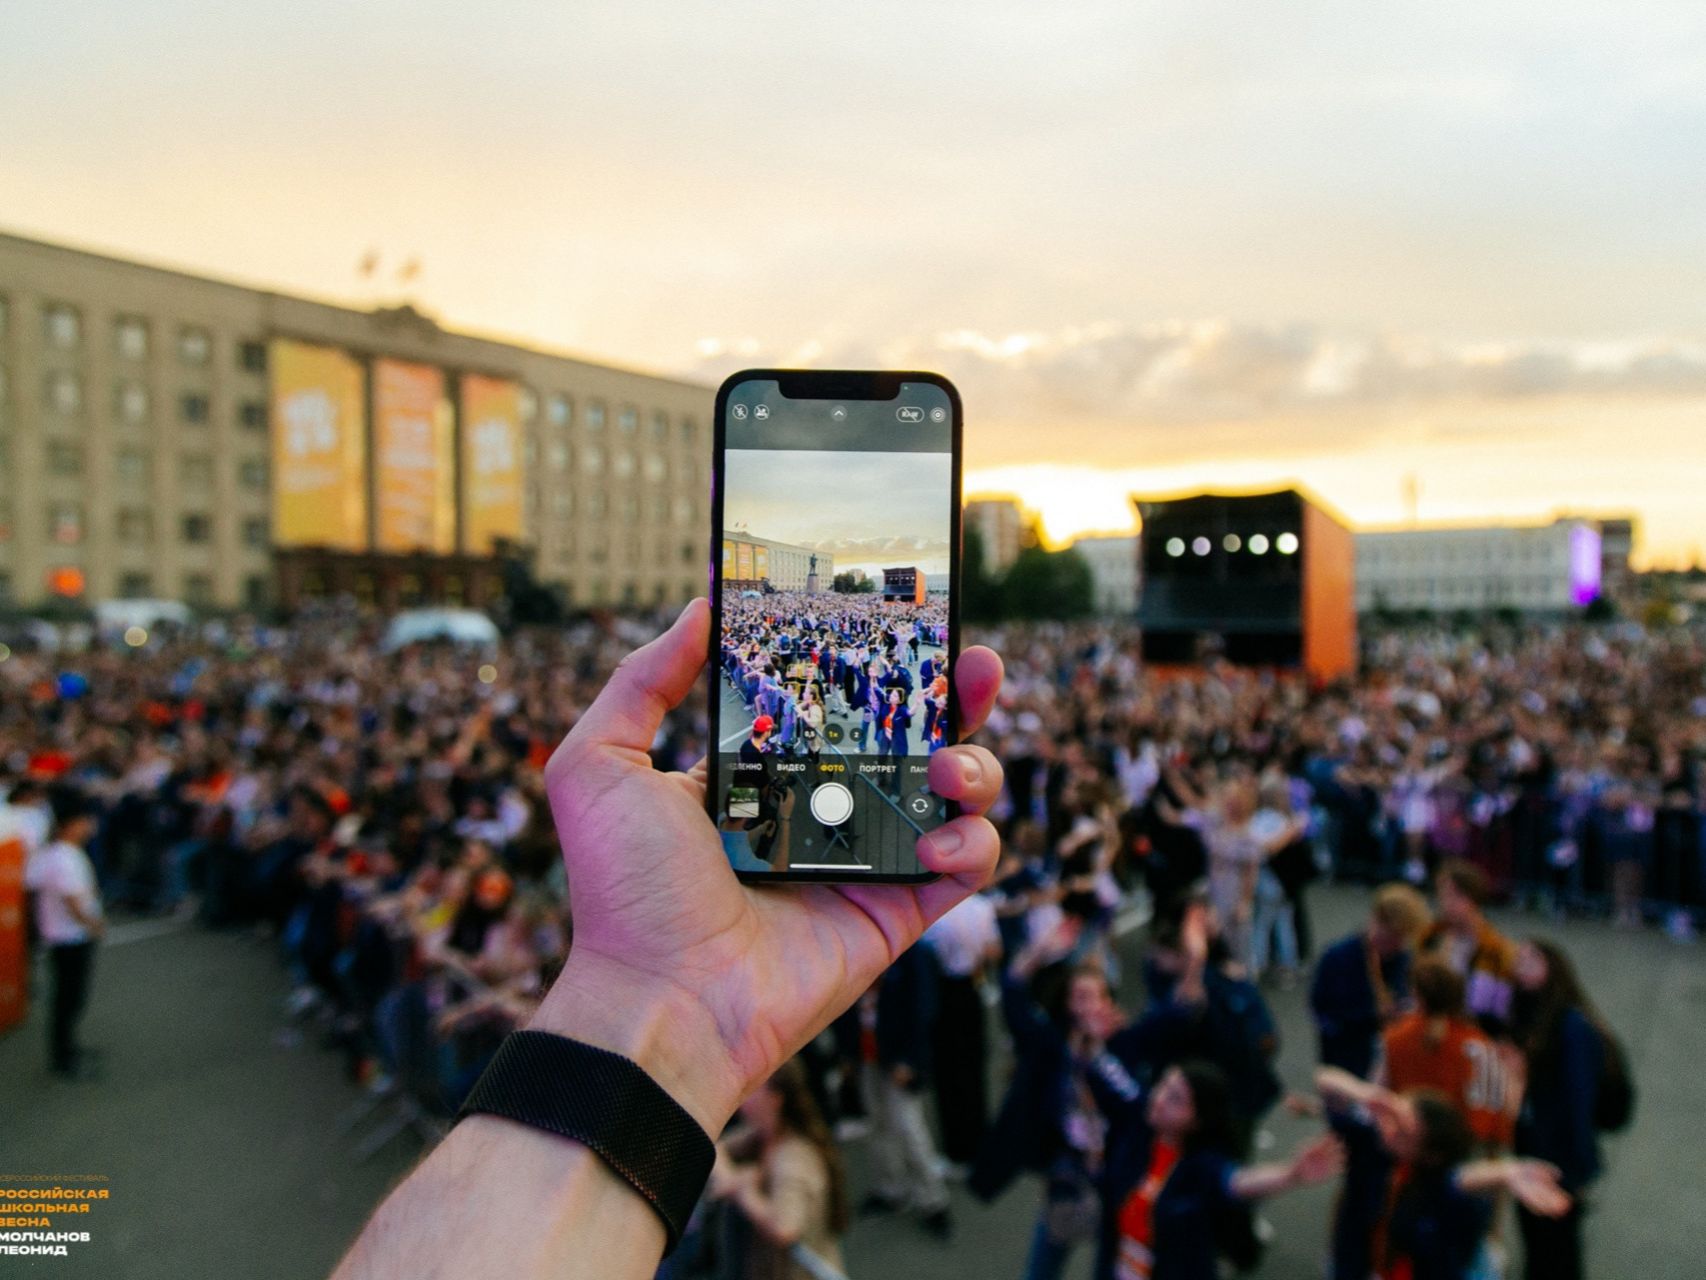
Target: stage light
{"type": "Point", "coordinates": [1200, 546]}
{"type": "Point", "coordinates": [1232, 542]}
{"type": "Point", "coordinates": [1175, 546]}
{"type": "Point", "coordinates": [1286, 543]}
{"type": "Point", "coordinates": [1258, 544]}
{"type": "Point", "coordinates": [488, 674]}
{"type": "Point", "coordinates": [135, 637]}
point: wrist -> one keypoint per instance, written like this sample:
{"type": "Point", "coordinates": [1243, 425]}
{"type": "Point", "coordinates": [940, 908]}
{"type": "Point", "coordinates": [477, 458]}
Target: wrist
{"type": "Point", "coordinates": [656, 1025]}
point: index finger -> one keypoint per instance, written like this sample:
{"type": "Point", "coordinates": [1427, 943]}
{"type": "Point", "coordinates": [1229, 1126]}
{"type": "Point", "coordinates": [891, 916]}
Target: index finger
{"type": "Point", "coordinates": [977, 679]}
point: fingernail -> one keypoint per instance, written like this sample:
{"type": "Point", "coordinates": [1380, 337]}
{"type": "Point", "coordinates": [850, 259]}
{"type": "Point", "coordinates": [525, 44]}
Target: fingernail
{"type": "Point", "coordinates": [971, 768]}
{"type": "Point", "coordinates": [946, 840]}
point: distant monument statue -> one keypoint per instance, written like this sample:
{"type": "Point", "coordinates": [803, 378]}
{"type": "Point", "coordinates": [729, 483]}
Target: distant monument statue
{"type": "Point", "coordinates": [811, 576]}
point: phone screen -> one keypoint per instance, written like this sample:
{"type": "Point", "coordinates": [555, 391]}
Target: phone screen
{"type": "Point", "coordinates": [833, 585]}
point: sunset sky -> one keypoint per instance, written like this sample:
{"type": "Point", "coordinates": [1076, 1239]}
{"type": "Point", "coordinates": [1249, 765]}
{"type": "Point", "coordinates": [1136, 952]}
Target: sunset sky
{"type": "Point", "coordinates": [1157, 246]}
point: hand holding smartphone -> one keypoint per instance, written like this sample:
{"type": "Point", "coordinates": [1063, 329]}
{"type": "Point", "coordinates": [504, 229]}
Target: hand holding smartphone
{"type": "Point", "coordinates": [835, 628]}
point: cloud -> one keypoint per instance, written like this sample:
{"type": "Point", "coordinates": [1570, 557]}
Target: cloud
{"type": "Point", "coordinates": [1225, 371]}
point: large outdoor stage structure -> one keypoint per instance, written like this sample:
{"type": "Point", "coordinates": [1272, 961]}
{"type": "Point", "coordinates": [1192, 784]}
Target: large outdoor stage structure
{"type": "Point", "coordinates": [1260, 579]}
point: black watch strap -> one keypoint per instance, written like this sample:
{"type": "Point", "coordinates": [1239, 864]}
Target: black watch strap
{"type": "Point", "coordinates": [609, 1105]}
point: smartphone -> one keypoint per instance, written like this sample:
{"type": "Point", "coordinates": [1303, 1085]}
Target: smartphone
{"type": "Point", "coordinates": [835, 581]}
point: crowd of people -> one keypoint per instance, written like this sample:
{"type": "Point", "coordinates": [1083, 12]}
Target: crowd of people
{"type": "Point", "coordinates": [381, 816]}
{"type": "Point", "coordinates": [875, 669]}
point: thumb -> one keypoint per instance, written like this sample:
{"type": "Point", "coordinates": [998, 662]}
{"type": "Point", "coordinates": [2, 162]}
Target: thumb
{"type": "Point", "coordinates": [646, 684]}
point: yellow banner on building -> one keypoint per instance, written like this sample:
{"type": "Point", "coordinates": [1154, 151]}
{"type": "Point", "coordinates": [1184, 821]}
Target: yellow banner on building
{"type": "Point", "coordinates": [728, 558]}
{"type": "Point", "coordinates": [743, 560]}
{"type": "Point", "coordinates": [414, 479]}
{"type": "Point", "coordinates": [761, 562]}
{"type": "Point", "coordinates": [491, 462]}
{"type": "Point", "coordinates": [319, 447]}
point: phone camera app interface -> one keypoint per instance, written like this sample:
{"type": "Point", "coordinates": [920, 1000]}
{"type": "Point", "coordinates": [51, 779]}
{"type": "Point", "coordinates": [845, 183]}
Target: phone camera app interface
{"type": "Point", "coordinates": [833, 680]}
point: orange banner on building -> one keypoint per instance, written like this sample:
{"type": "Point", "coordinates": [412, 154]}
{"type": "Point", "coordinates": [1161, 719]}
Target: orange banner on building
{"type": "Point", "coordinates": [760, 562]}
{"type": "Point", "coordinates": [319, 447]}
{"type": "Point", "coordinates": [743, 560]}
{"type": "Point", "coordinates": [728, 558]}
{"type": "Point", "coordinates": [13, 987]}
{"type": "Point", "coordinates": [414, 476]}
{"type": "Point", "coordinates": [491, 462]}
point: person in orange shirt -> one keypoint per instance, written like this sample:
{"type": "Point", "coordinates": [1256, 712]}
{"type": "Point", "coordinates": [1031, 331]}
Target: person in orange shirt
{"type": "Point", "coordinates": [1438, 1047]}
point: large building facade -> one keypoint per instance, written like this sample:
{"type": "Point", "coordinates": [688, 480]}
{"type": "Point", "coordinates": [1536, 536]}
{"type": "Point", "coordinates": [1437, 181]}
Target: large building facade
{"type": "Point", "coordinates": [1000, 525]}
{"type": "Point", "coordinates": [752, 561]}
{"type": "Point", "coordinates": [169, 435]}
{"type": "Point", "coordinates": [1113, 562]}
{"type": "Point", "coordinates": [1542, 568]}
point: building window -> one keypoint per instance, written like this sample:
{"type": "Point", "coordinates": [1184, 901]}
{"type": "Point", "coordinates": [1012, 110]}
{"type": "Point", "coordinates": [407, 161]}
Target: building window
{"type": "Point", "coordinates": [62, 326]}
{"type": "Point", "coordinates": [198, 527]}
{"type": "Point", "coordinates": [689, 553]}
{"type": "Point", "coordinates": [689, 431]}
{"type": "Point", "coordinates": [198, 589]}
{"type": "Point", "coordinates": [255, 591]}
{"type": "Point", "coordinates": [252, 357]}
{"type": "Point", "coordinates": [255, 532]}
{"type": "Point", "coordinates": [132, 465]}
{"type": "Point", "coordinates": [630, 592]}
{"type": "Point", "coordinates": [660, 508]}
{"type": "Point", "coordinates": [130, 338]}
{"type": "Point", "coordinates": [597, 505]}
{"type": "Point", "coordinates": [135, 526]}
{"type": "Point", "coordinates": [628, 421]}
{"type": "Point", "coordinates": [252, 474]}
{"type": "Point", "coordinates": [195, 345]}
{"type": "Point", "coordinates": [558, 453]}
{"type": "Point", "coordinates": [192, 405]}
{"type": "Point", "coordinates": [630, 508]}
{"type": "Point", "coordinates": [563, 503]}
{"type": "Point", "coordinates": [135, 586]}
{"type": "Point", "coordinates": [5, 315]}
{"type": "Point", "coordinates": [130, 402]}
{"type": "Point", "coordinates": [527, 400]}
{"type": "Point", "coordinates": [656, 469]}
{"type": "Point", "coordinates": [64, 458]}
{"type": "Point", "coordinates": [684, 513]}
{"type": "Point", "coordinates": [195, 470]}
{"type": "Point", "coordinates": [64, 392]}
{"type": "Point", "coordinates": [622, 464]}
{"type": "Point", "coordinates": [592, 459]}
{"type": "Point", "coordinates": [595, 415]}
{"type": "Point", "coordinates": [253, 415]}
{"type": "Point", "coordinates": [560, 411]}
{"type": "Point", "coordinates": [65, 522]}
{"type": "Point", "coordinates": [660, 427]}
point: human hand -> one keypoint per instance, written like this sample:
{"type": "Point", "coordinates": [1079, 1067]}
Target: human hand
{"type": "Point", "coordinates": [1535, 1185]}
{"type": "Point", "coordinates": [1317, 1161]}
{"type": "Point", "coordinates": [707, 983]}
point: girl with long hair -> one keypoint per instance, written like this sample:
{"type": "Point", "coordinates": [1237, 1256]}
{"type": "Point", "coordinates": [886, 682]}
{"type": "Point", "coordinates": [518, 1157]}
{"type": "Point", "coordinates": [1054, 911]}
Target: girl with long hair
{"type": "Point", "coordinates": [793, 1189]}
{"type": "Point", "coordinates": [1563, 1043]}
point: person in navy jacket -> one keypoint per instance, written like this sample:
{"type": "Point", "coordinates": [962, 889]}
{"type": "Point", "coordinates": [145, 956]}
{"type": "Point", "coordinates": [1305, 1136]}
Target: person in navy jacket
{"type": "Point", "coordinates": [1563, 1046]}
{"type": "Point", "coordinates": [1362, 982]}
{"type": "Point", "coordinates": [1172, 1194]}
